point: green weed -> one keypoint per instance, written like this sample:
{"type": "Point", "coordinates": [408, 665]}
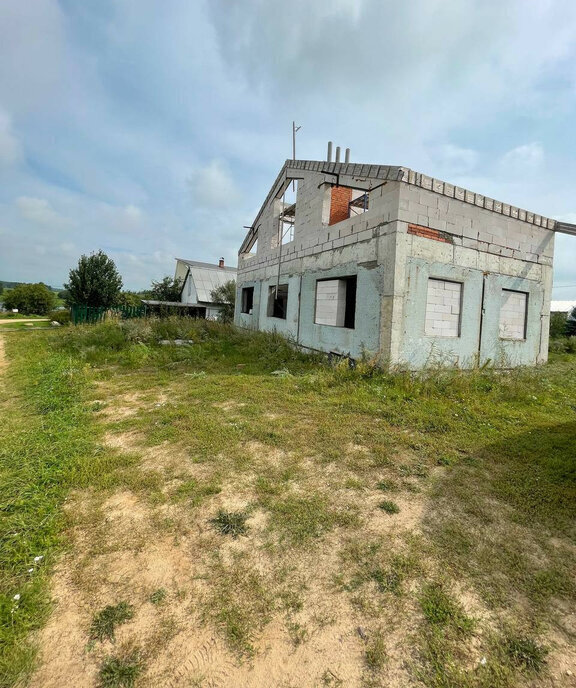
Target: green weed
{"type": "Point", "coordinates": [231, 523]}
{"type": "Point", "coordinates": [525, 653]}
{"type": "Point", "coordinates": [440, 610]}
{"type": "Point", "coordinates": [158, 596]}
{"type": "Point", "coordinates": [105, 621]}
{"type": "Point", "coordinates": [389, 507]}
{"type": "Point", "coordinates": [119, 672]}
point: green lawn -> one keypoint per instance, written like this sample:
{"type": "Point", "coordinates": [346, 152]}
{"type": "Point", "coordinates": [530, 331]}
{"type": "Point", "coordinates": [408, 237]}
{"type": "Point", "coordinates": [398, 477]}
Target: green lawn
{"type": "Point", "coordinates": [363, 527]}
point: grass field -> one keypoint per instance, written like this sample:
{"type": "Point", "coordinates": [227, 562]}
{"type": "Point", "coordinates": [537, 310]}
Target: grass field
{"type": "Point", "coordinates": [234, 513]}
{"type": "Point", "coordinates": [16, 325]}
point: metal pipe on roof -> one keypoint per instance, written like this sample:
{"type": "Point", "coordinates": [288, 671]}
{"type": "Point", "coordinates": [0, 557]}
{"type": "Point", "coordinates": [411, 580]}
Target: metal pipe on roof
{"type": "Point", "coordinates": [347, 156]}
{"type": "Point", "coordinates": [329, 154]}
{"type": "Point", "coordinates": [565, 227]}
{"type": "Point", "coordinates": [337, 154]}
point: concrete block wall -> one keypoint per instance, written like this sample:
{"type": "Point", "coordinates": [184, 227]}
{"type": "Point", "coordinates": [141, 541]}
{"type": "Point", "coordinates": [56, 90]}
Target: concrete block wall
{"type": "Point", "coordinates": [513, 308]}
{"type": "Point", "coordinates": [469, 237]}
{"type": "Point", "coordinates": [457, 237]}
{"type": "Point", "coordinates": [443, 301]}
{"type": "Point", "coordinates": [330, 302]}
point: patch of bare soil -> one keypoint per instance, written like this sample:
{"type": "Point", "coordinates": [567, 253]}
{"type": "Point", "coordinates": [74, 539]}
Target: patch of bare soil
{"type": "Point", "coordinates": [177, 646]}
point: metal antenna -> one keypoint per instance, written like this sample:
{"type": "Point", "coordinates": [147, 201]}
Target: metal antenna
{"type": "Point", "coordinates": [294, 130]}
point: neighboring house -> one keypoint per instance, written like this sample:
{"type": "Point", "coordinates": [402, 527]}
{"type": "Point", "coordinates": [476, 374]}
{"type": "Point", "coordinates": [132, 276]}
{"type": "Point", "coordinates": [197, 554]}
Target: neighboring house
{"type": "Point", "coordinates": [198, 282]}
{"type": "Point", "coordinates": [562, 306]}
{"type": "Point", "coordinates": [374, 259]}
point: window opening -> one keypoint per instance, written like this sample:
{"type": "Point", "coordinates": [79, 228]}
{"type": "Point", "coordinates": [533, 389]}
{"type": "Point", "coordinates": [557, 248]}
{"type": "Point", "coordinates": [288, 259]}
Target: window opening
{"type": "Point", "coordinates": [247, 299]}
{"type": "Point", "coordinates": [278, 301]}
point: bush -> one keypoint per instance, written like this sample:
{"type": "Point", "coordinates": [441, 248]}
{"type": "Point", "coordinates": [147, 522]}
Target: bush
{"type": "Point", "coordinates": [62, 317]}
{"type": "Point", "coordinates": [558, 324]}
{"type": "Point", "coordinates": [30, 299]}
{"type": "Point", "coordinates": [563, 345]}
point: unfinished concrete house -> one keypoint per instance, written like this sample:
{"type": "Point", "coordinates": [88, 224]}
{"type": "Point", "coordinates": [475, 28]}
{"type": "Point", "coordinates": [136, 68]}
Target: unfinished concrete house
{"type": "Point", "coordinates": [381, 260]}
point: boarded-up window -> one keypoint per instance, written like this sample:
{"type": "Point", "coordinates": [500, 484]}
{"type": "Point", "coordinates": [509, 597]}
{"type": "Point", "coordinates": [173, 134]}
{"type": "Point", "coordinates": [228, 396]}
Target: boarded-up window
{"type": "Point", "coordinates": [277, 301]}
{"type": "Point", "coordinates": [247, 299]}
{"type": "Point", "coordinates": [336, 302]}
{"type": "Point", "coordinates": [513, 314]}
{"type": "Point", "coordinates": [443, 307]}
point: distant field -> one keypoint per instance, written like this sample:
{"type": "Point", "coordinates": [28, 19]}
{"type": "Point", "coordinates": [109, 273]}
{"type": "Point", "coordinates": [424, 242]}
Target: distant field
{"type": "Point", "coordinates": [234, 513]}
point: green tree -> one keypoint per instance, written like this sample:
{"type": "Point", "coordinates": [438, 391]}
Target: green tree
{"type": "Point", "coordinates": [30, 299]}
{"type": "Point", "coordinates": [128, 298]}
{"type": "Point", "coordinates": [225, 295]}
{"type": "Point", "coordinates": [64, 294]}
{"type": "Point", "coordinates": [95, 282]}
{"type": "Point", "coordinates": [571, 323]}
{"type": "Point", "coordinates": [168, 289]}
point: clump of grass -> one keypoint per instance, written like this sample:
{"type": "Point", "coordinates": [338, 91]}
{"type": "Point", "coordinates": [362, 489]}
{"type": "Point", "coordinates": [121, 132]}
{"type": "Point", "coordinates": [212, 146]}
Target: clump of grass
{"type": "Point", "coordinates": [158, 596]}
{"type": "Point", "coordinates": [387, 581]}
{"type": "Point", "coordinates": [118, 672]}
{"type": "Point", "coordinates": [525, 653]}
{"type": "Point", "coordinates": [387, 486]}
{"type": "Point", "coordinates": [440, 610]}
{"type": "Point", "coordinates": [375, 655]}
{"type": "Point", "coordinates": [105, 621]}
{"type": "Point", "coordinates": [300, 519]}
{"type": "Point", "coordinates": [240, 603]}
{"type": "Point", "coordinates": [389, 506]}
{"type": "Point", "coordinates": [195, 492]}
{"type": "Point", "coordinates": [230, 523]}
{"type": "Point", "coordinates": [298, 633]}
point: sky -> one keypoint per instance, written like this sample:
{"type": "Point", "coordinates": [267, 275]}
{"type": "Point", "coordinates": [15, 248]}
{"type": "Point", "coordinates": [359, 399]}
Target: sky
{"type": "Point", "coordinates": [154, 129]}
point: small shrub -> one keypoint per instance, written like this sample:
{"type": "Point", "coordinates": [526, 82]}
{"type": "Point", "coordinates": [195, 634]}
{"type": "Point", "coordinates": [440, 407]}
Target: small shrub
{"type": "Point", "coordinates": [62, 317]}
{"type": "Point", "coordinates": [389, 507]}
{"type": "Point", "coordinates": [117, 672]}
{"type": "Point", "coordinates": [231, 523]}
{"type": "Point", "coordinates": [525, 653]}
{"type": "Point", "coordinates": [104, 623]}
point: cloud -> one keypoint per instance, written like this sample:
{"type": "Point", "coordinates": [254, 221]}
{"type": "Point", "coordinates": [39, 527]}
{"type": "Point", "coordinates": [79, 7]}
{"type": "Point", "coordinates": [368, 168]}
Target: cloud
{"type": "Point", "coordinates": [213, 187]}
{"type": "Point", "coordinates": [455, 159]}
{"type": "Point", "coordinates": [152, 133]}
{"type": "Point", "coordinates": [39, 211]}
{"type": "Point", "coordinates": [525, 158]}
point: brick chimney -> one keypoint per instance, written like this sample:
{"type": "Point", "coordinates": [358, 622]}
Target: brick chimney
{"type": "Point", "coordinates": [221, 263]}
